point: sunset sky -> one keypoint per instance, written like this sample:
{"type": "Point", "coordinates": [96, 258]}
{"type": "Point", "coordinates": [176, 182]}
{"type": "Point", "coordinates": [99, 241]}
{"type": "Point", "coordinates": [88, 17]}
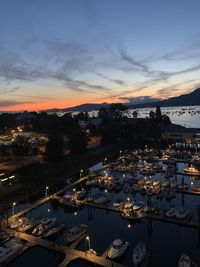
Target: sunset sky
{"type": "Point", "coordinates": [61, 53]}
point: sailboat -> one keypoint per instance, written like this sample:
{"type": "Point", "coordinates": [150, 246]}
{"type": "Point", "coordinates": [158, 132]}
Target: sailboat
{"type": "Point", "coordinates": [139, 253]}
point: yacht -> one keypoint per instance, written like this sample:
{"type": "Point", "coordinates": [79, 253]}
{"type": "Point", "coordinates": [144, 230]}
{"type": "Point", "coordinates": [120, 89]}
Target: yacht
{"type": "Point", "coordinates": [182, 213]}
{"type": "Point", "coordinates": [75, 232]}
{"type": "Point", "coordinates": [67, 202]}
{"type": "Point", "coordinates": [55, 230]}
{"type": "Point", "coordinates": [17, 223]}
{"type": "Point", "coordinates": [184, 261]}
{"type": "Point", "coordinates": [100, 199]}
{"type": "Point", "coordinates": [192, 170]}
{"type": "Point", "coordinates": [118, 203]}
{"type": "Point", "coordinates": [44, 225]}
{"type": "Point", "coordinates": [9, 249]}
{"type": "Point", "coordinates": [31, 223]}
{"type": "Point", "coordinates": [171, 212]}
{"type": "Point", "coordinates": [138, 205]}
{"type": "Point", "coordinates": [156, 183]}
{"type": "Point", "coordinates": [128, 205]}
{"type": "Point", "coordinates": [117, 248]}
{"type": "Point", "coordinates": [139, 253]}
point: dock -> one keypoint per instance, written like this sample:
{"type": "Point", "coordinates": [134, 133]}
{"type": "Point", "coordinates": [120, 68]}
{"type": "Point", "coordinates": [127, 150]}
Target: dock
{"type": "Point", "coordinates": [69, 252]}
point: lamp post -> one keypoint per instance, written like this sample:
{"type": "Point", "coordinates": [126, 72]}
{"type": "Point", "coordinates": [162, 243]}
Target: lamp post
{"type": "Point", "coordinates": [47, 191]}
{"type": "Point", "coordinates": [81, 173]}
{"type": "Point", "coordinates": [13, 208]}
{"type": "Point", "coordinates": [89, 244]}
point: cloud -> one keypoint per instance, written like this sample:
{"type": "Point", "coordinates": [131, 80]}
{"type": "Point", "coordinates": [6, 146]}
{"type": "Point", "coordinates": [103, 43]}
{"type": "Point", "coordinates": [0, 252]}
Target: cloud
{"type": "Point", "coordinates": [9, 103]}
{"type": "Point", "coordinates": [167, 90]}
{"type": "Point", "coordinates": [136, 64]}
{"type": "Point", "coordinates": [61, 62]}
{"type": "Point", "coordinates": [115, 81]}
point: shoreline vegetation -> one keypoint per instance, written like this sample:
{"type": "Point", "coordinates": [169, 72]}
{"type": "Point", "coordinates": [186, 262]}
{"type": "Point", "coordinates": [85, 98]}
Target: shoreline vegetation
{"type": "Point", "coordinates": [56, 173]}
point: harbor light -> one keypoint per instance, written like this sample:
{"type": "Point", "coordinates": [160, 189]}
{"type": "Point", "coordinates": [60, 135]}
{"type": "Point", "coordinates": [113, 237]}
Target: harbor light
{"type": "Point", "coordinates": [129, 226]}
{"type": "Point", "coordinates": [106, 191]}
{"type": "Point", "coordinates": [128, 199]}
{"type": "Point", "coordinates": [75, 213]}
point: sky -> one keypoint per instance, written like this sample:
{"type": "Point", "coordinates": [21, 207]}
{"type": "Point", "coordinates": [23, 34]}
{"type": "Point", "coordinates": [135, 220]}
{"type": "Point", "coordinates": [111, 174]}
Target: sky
{"type": "Point", "coordinates": [61, 53]}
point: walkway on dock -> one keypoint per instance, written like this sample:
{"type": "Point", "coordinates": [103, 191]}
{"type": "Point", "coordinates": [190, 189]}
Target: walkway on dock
{"type": "Point", "coordinates": [69, 252]}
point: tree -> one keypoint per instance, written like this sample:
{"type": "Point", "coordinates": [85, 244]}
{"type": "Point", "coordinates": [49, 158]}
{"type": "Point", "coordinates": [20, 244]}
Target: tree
{"type": "Point", "coordinates": [152, 114]}
{"type": "Point", "coordinates": [135, 114]}
{"type": "Point", "coordinates": [55, 147]}
{"type": "Point", "coordinates": [103, 113]}
{"type": "Point", "coordinates": [77, 140]}
{"type": "Point", "coordinates": [158, 114]}
{"type": "Point", "coordinates": [21, 146]}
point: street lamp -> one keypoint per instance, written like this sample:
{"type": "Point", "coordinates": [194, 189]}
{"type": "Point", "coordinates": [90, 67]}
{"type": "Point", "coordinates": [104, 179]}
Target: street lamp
{"type": "Point", "coordinates": [89, 244]}
{"type": "Point", "coordinates": [81, 173]}
{"type": "Point", "coordinates": [13, 208]}
{"type": "Point", "coordinates": [47, 189]}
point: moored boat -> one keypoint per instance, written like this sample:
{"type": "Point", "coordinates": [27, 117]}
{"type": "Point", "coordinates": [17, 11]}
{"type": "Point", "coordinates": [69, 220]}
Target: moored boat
{"type": "Point", "coordinates": [75, 232]}
{"type": "Point", "coordinates": [44, 225]}
{"type": "Point", "coordinates": [53, 231]}
{"type": "Point", "coordinates": [9, 249]}
{"type": "Point", "coordinates": [117, 249]}
{"type": "Point", "coordinates": [139, 253]}
{"type": "Point", "coordinates": [138, 205]}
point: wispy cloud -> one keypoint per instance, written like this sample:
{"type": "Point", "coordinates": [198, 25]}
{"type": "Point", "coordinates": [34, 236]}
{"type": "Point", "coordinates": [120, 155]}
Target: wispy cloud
{"type": "Point", "coordinates": [10, 103]}
{"type": "Point", "coordinates": [169, 89]}
{"type": "Point", "coordinates": [115, 81]}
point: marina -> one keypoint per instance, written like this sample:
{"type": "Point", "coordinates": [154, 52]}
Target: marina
{"type": "Point", "coordinates": [136, 200]}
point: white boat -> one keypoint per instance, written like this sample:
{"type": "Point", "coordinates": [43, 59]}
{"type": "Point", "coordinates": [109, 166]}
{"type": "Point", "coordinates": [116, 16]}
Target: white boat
{"type": "Point", "coordinates": [139, 253]}
{"type": "Point", "coordinates": [16, 223]}
{"type": "Point", "coordinates": [128, 205]}
{"type": "Point", "coordinates": [156, 183]}
{"type": "Point", "coordinates": [138, 205]}
{"type": "Point", "coordinates": [182, 213]}
{"type": "Point", "coordinates": [184, 261]}
{"type": "Point", "coordinates": [29, 224]}
{"type": "Point", "coordinates": [44, 225]}
{"type": "Point", "coordinates": [67, 202]}
{"type": "Point", "coordinates": [8, 249]}
{"type": "Point", "coordinates": [75, 232]}
{"type": "Point", "coordinates": [192, 170]}
{"type": "Point", "coordinates": [53, 231]}
{"type": "Point", "coordinates": [118, 203]}
{"type": "Point", "coordinates": [171, 212]}
{"type": "Point", "coordinates": [117, 248]}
